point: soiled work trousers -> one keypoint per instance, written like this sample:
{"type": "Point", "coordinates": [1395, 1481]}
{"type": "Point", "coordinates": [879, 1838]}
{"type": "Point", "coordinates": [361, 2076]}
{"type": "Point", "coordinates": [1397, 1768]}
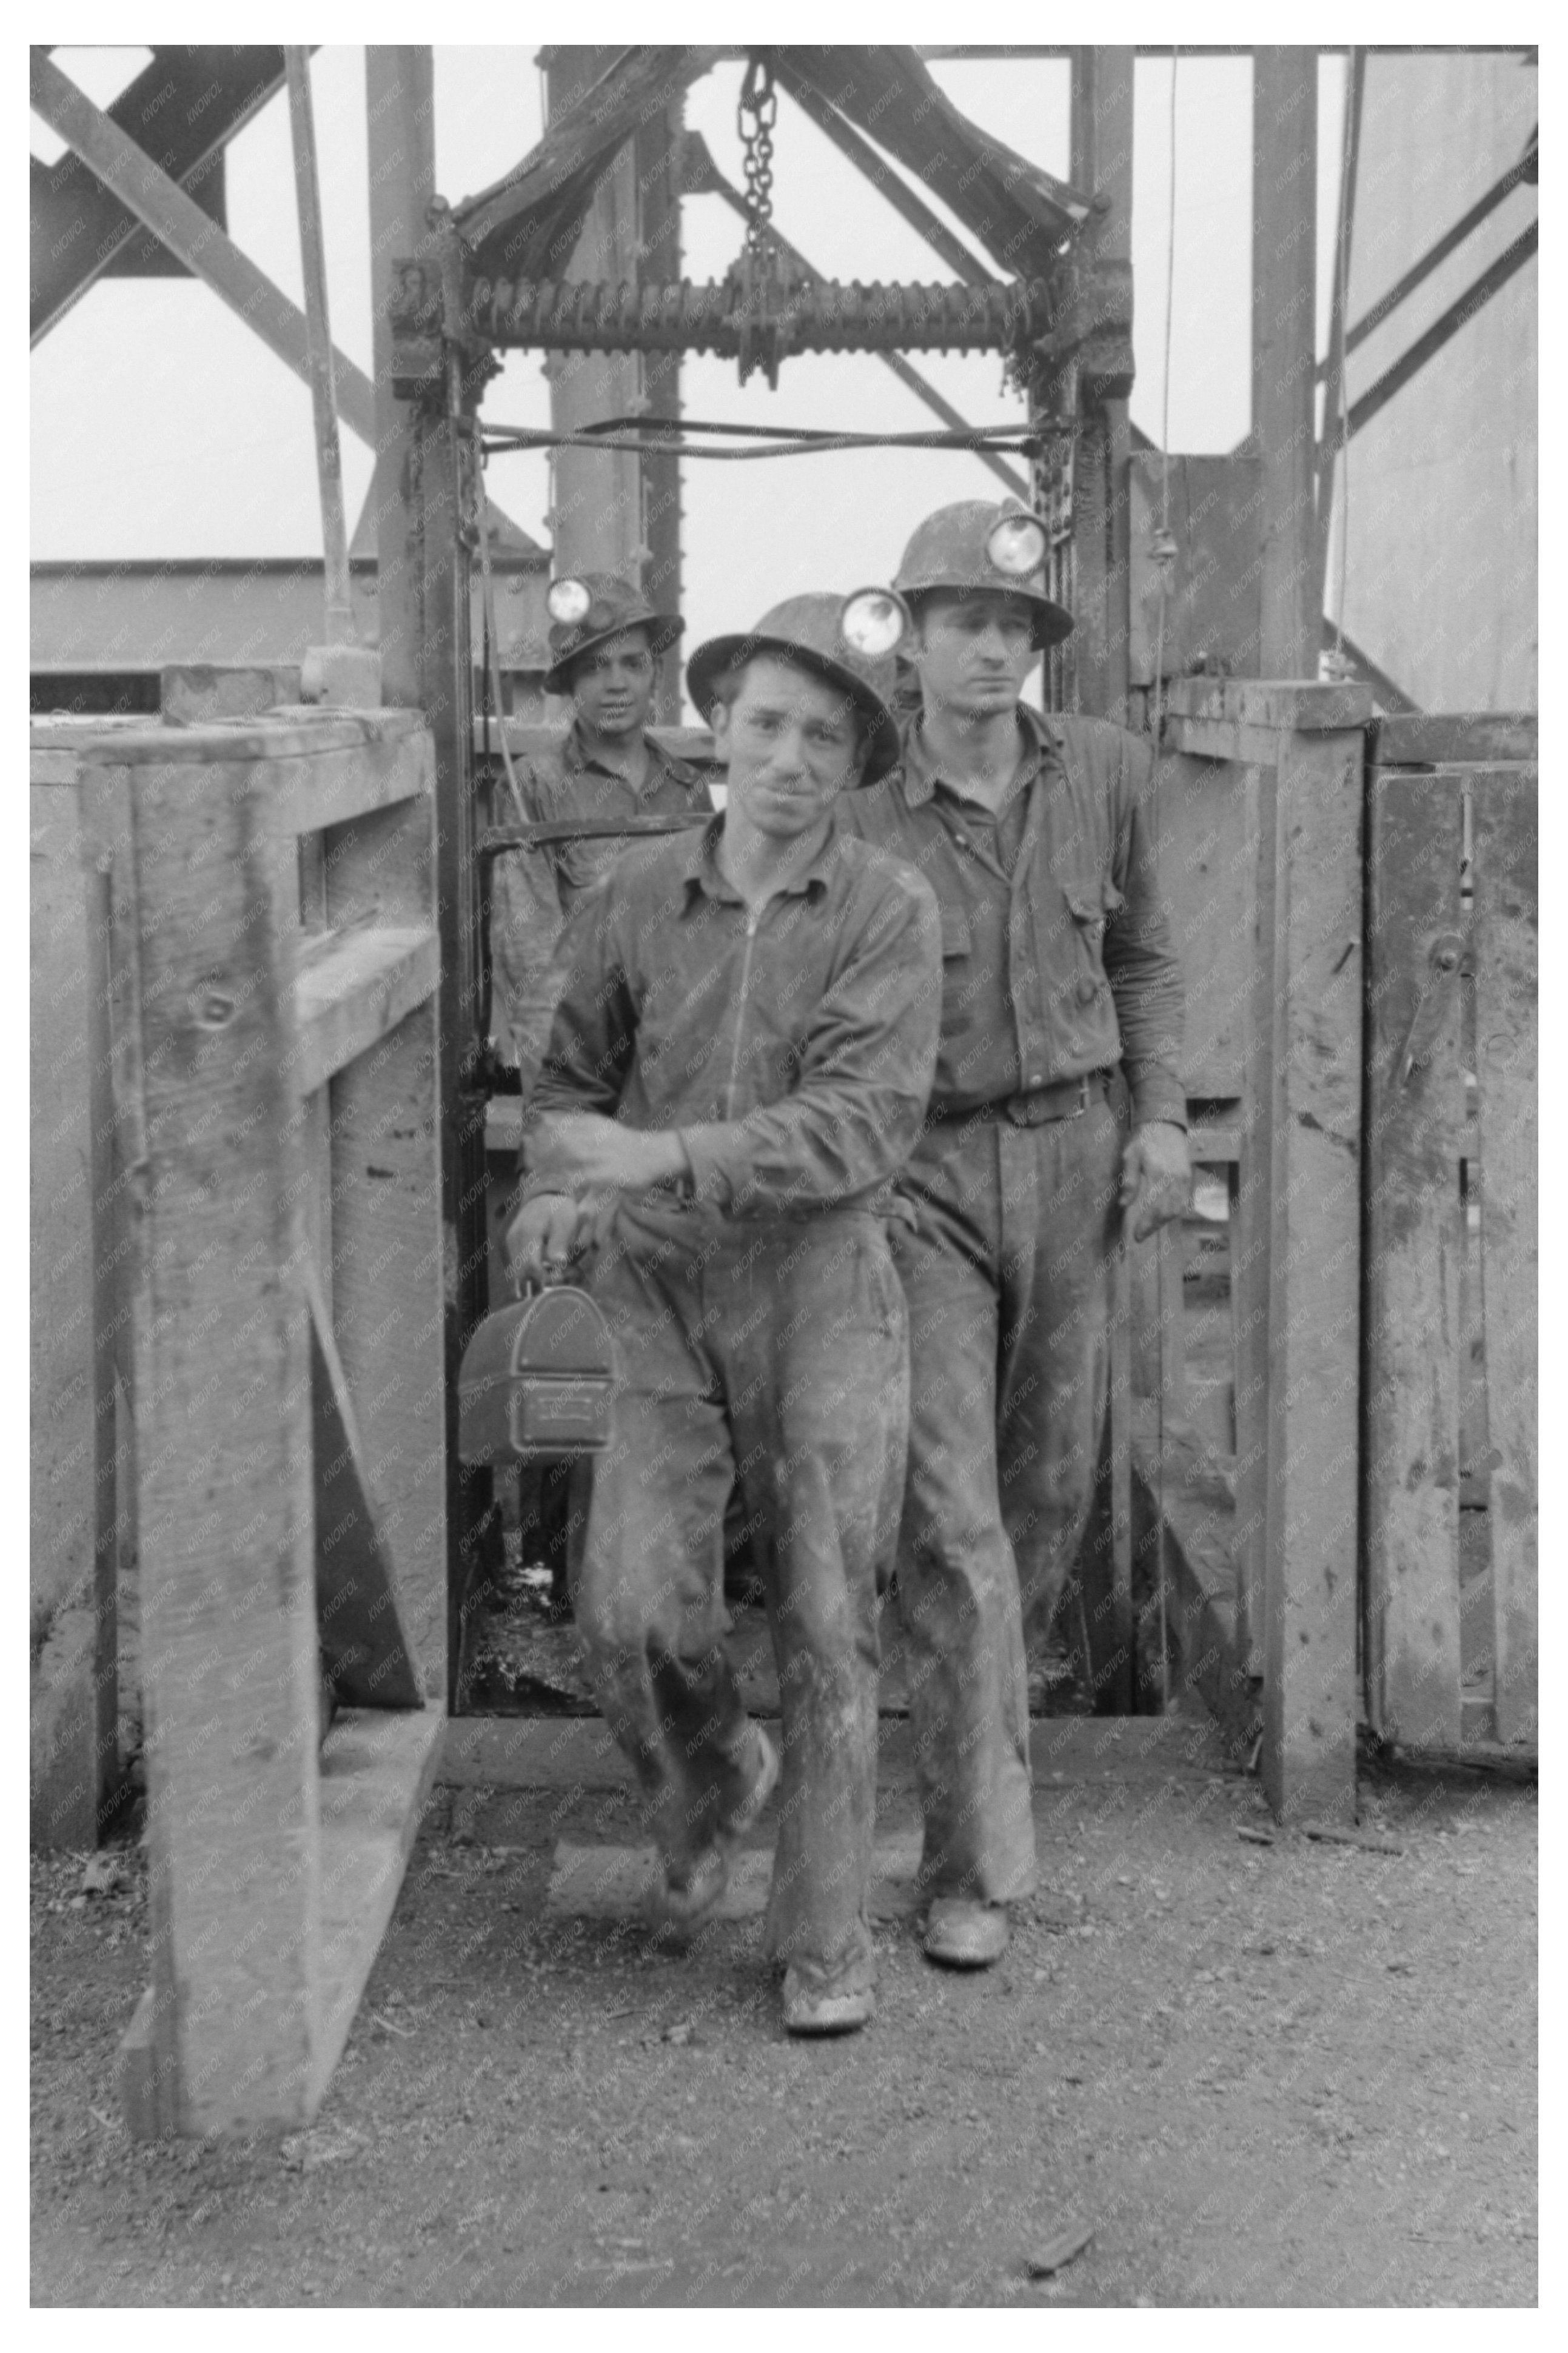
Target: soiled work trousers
{"type": "Point", "coordinates": [775, 1356]}
{"type": "Point", "coordinates": [1008, 1285]}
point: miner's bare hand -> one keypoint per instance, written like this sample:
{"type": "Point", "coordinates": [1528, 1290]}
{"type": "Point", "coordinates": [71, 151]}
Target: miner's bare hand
{"type": "Point", "coordinates": [543, 1236]}
{"type": "Point", "coordinates": [1156, 1175]}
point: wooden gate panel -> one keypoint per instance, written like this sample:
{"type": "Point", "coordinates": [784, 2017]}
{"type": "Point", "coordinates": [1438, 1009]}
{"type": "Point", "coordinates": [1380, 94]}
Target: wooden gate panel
{"type": "Point", "coordinates": [1505, 831]}
{"type": "Point", "coordinates": [275, 1066]}
{"type": "Point", "coordinates": [1414, 1242]}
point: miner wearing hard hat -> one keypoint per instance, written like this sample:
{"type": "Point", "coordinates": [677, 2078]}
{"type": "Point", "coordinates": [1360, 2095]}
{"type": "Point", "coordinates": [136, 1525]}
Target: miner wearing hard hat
{"type": "Point", "coordinates": [741, 1058]}
{"type": "Point", "coordinates": [606, 638]}
{"type": "Point", "coordinates": [1057, 972]}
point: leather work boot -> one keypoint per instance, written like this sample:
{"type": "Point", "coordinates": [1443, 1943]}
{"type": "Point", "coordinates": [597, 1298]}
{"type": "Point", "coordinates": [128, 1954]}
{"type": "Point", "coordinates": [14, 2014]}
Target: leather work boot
{"type": "Point", "coordinates": [681, 1899]}
{"type": "Point", "coordinates": [827, 2001]}
{"type": "Point", "coordinates": [678, 1901]}
{"type": "Point", "coordinates": [964, 1933]}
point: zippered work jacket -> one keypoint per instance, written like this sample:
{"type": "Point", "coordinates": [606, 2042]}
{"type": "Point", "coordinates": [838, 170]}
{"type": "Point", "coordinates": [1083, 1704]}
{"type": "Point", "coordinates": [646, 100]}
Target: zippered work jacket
{"type": "Point", "coordinates": [792, 1047]}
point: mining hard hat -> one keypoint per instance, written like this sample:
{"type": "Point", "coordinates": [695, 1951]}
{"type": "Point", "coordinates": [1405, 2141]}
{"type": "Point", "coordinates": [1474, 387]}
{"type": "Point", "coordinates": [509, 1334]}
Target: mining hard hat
{"type": "Point", "coordinates": [977, 545]}
{"type": "Point", "coordinates": [847, 640]}
{"type": "Point", "coordinates": [590, 608]}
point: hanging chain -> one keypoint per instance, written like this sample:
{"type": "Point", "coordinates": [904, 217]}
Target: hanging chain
{"type": "Point", "coordinates": [754, 118]}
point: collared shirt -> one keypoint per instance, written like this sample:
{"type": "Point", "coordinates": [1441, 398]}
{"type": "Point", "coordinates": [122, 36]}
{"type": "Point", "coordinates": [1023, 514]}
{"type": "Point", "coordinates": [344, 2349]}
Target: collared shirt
{"type": "Point", "coordinates": [569, 781]}
{"type": "Point", "coordinates": [533, 892]}
{"type": "Point", "coordinates": [791, 1047]}
{"type": "Point", "coordinates": [1056, 961]}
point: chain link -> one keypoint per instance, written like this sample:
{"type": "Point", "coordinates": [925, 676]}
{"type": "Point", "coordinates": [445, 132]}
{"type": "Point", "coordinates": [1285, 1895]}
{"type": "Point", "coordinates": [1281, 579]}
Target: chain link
{"type": "Point", "coordinates": [754, 118]}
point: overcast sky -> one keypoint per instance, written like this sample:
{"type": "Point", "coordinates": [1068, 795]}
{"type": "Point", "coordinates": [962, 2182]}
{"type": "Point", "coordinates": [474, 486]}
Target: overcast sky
{"type": "Point", "coordinates": [161, 427]}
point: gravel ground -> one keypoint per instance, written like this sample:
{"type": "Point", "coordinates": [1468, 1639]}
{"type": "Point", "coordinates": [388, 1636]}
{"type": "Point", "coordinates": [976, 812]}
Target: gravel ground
{"type": "Point", "coordinates": [1280, 2074]}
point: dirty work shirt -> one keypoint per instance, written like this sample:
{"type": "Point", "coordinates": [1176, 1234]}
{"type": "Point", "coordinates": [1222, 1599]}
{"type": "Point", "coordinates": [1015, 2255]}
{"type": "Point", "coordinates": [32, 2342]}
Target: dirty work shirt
{"type": "Point", "coordinates": [760, 1337]}
{"type": "Point", "coordinates": [1057, 955]}
{"type": "Point", "coordinates": [1057, 964]}
{"type": "Point", "coordinates": [534, 892]}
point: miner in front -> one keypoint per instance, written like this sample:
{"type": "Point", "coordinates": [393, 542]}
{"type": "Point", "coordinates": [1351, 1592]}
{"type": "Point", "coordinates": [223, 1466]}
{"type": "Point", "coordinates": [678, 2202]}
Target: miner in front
{"type": "Point", "coordinates": [741, 1056]}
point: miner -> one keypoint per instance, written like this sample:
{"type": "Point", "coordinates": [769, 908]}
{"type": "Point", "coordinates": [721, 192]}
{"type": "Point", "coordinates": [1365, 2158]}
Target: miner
{"type": "Point", "coordinates": [606, 640]}
{"type": "Point", "coordinates": [740, 1060]}
{"type": "Point", "coordinates": [1057, 971]}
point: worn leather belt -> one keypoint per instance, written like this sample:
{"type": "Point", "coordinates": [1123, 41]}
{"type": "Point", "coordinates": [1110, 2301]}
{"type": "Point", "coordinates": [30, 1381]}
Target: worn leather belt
{"type": "Point", "coordinates": [1068, 1099]}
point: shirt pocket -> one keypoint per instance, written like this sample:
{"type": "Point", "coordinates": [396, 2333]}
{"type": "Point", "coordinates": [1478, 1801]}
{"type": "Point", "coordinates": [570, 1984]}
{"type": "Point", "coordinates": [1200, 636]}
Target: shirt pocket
{"type": "Point", "coordinates": [956, 939]}
{"type": "Point", "coordinates": [1092, 905]}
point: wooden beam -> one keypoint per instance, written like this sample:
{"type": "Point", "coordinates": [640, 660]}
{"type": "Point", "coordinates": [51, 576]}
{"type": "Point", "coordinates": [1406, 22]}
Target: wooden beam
{"type": "Point", "coordinates": [654, 162]}
{"type": "Point", "coordinates": [72, 1536]}
{"type": "Point", "coordinates": [339, 616]}
{"type": "Point", "coordinates": [364, 1648]}
{"type": "Point", "coordinates": [222, 1402]}
{"type": "Point", "coordinates": [597, 496]}
{"type": "Point", "coordinates": [1507, 920]}
{"type": "Point", "coordinates": [182, 110]}
{"type": "Point", "coordinates": [388, 1250]}
{"type": "Point", "coordinates": [1009, 204]}
{"type": "Point", "coordinates": [443, 453]}
{"type": "Point", "coordinates": [400, 111]}
{"type": "Point", "coordinates": [1102, 160]}
{"type": "Point", "coordinates": [1305, 1074]}
{"type": "Point", "coordinates": [1455, 738]}
{"type": "Point", "coordinates": [131, 174]}
{"type": "Point", "coordinates": [1415, 1139]}
{"type": "Point", "coordinates": [377, 1768]}
{"type": "Point", "coordinates": [278, 1496]}
{"type": "Point", "coordinates": [353, 989]}
{"type": "Point", "coordinates": [910, 205]}
{"type": "Point", "coordinates": [1298, 705]}
{"type": "Point", "coordinates": [1284, 297]}
{"type": "Point", "coordinates": [1343, 244]}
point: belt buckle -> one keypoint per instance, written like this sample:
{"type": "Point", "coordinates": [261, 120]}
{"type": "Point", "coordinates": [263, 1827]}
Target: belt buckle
{"type": "Point", "coordinates": [1081, 1106]}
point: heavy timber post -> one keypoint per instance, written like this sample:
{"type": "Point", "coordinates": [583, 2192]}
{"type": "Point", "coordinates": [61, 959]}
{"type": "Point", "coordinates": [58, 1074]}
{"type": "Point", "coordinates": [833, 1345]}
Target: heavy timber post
{"type": "Point", "coordinates": [1102, 160]}
{"type": "Point", "coordinates": [400, 105]}
{"type": "Point", "coordinates": [443, 457]}
{"type": "Point", "coordinates": [1283, 351]}
{"type": "Point", "coordinates": [424, 542]}
{"type": "Point", "coordinates": [614, 512]}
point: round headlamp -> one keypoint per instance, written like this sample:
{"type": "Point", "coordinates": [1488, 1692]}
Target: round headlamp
{"type": "Point", "coordinates": [872, 621]}
{"type": "Point", "coordinates": [567, 601]}
{"type": "Point", "coordinates": [1016, 545]}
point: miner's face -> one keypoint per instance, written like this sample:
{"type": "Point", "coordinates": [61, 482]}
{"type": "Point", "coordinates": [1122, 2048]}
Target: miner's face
{"type": "Point", "coordinates": [973, 649]}
{"type": "Point", "coordinates": [791, 742]}
{"type": "Point", "coordinates": [613, 686]}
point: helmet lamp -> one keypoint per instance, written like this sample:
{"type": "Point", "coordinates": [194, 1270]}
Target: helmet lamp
{"type": "Point", "coordinates": [872, 621]}
{"type": "Point", "coordinates": [1016, 546]}
{"type": "Point", "coordinates": [567, 601]}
